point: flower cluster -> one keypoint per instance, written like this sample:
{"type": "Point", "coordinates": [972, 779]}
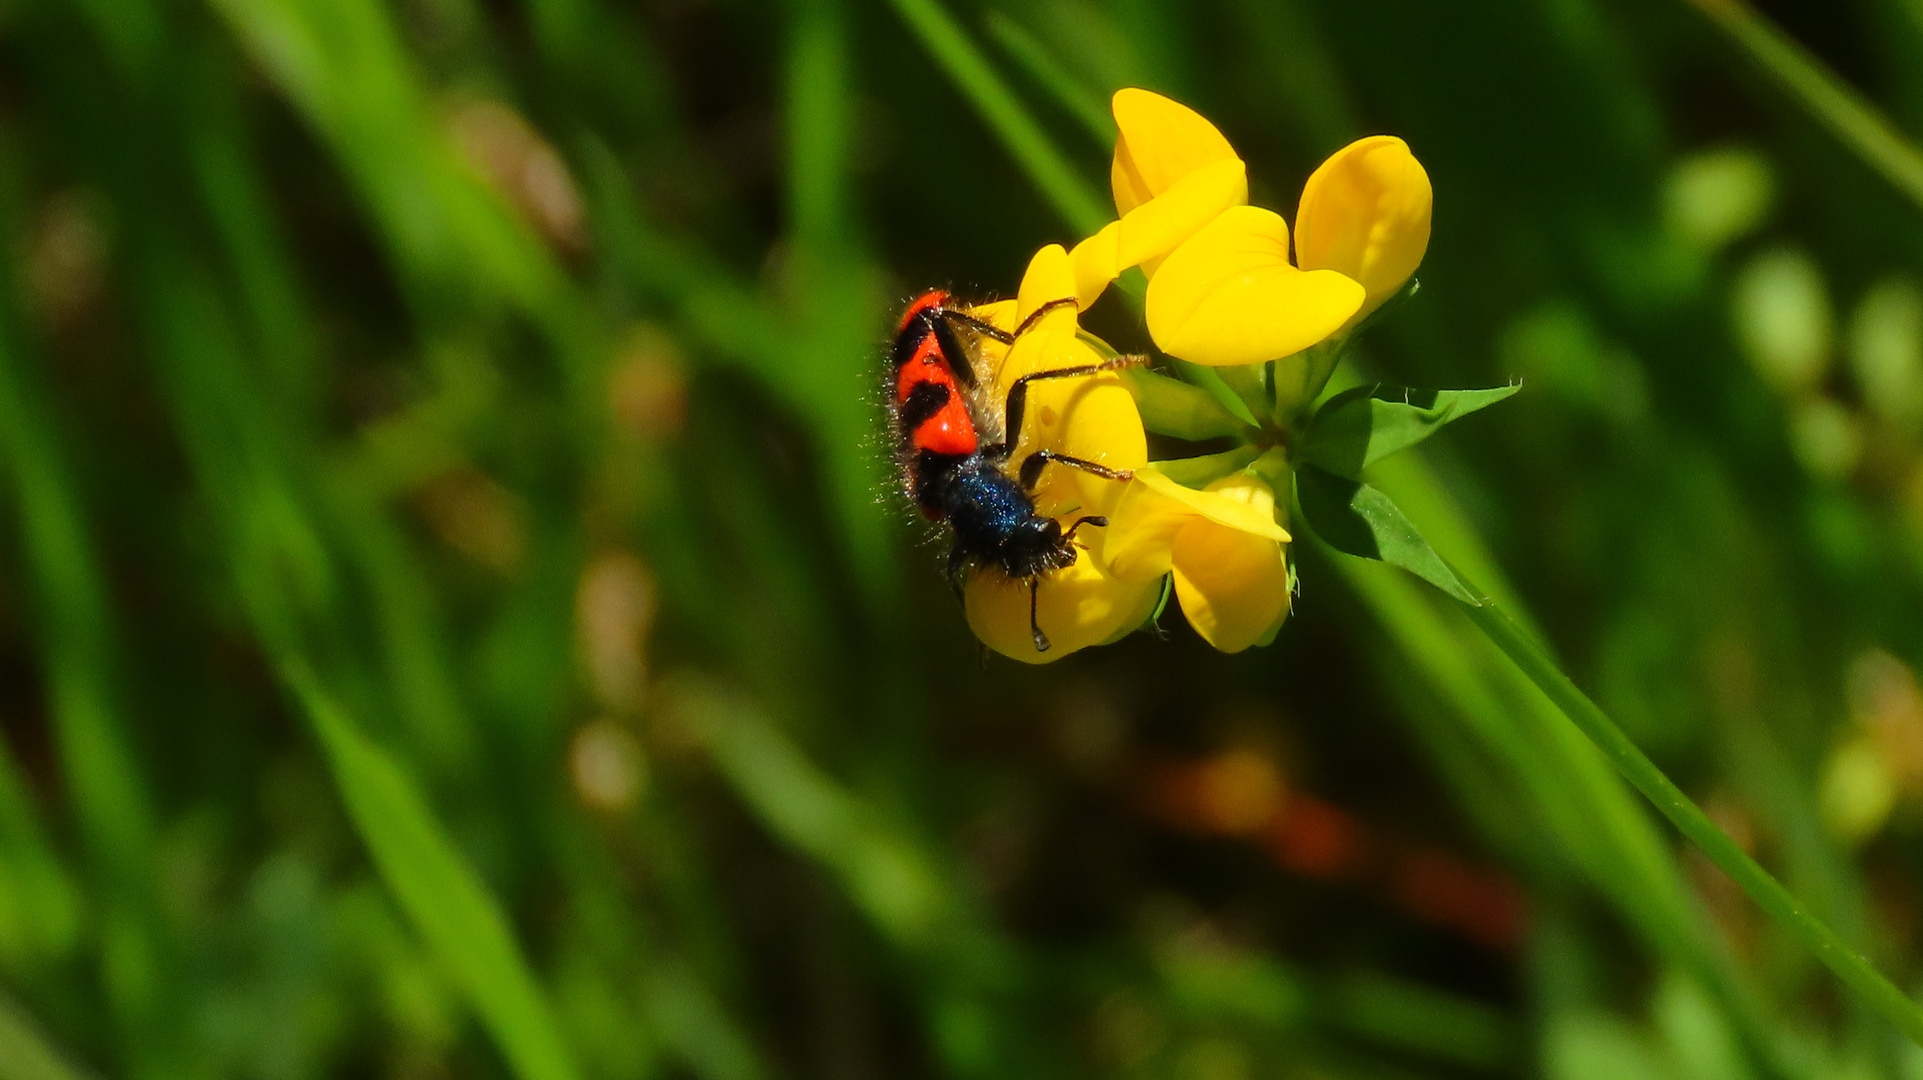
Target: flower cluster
{"type": "Point", "coordinates": [1224, 293]}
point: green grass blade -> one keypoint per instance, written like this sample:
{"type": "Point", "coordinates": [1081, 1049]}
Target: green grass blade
{"type": "Point", "coordinates": [836, 286]}
{"type": "Point", "coordinates": [894, 878]}
{"type": "Point", "coordinates": [1853, 119]}
{"type": "Point", "coordinates": [1689, 819]}
{"type": "Point", "coordinates": [105, 786]}
{"type": "Point", "coordinates": [452, 238]}
{"type": "Point", "coordinates": [690, 1020]}
{"type": "Point", "coordinates": [273, 546]}
{"type": "Point", "coordinates": [897, 884]}
{"type": "Point", "coordinates": [1081, 102]}
{"type": "Point", "coordinates": [436, 887]}
{"type": "Point", "coordinates": [1569, 788]}
{"type": "Point", "coordinates": [1005, 115]}
{"type": "Point", "coordinates": [39, 903]}
{"type": "Point", "coordinates": [1411, 1016]}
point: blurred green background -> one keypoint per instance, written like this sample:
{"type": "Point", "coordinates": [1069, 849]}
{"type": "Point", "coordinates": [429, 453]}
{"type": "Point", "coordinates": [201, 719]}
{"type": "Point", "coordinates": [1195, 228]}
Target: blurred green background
{"type": "Point", "coordinates": [455, 620]}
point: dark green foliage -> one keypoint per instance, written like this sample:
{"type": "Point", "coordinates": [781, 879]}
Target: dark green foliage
{"type": "Point", "coordinates": [1356, 519]}
{"type": "Point", "coordinates": [1359, 427]}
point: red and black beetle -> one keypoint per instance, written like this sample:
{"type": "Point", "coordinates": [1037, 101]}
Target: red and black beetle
{"type": "Point", "coordinates": [947, 470]}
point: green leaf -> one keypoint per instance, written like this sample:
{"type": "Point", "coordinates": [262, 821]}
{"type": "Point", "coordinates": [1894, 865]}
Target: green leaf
{"type": "Point", "coordinates": [440, 892]}
{"type": "Point", "coordinates": [1360, 427]}
{"type": "Point", "coordinates": [1211, 380]}
{"type": "Point", "coordinates": [1355, 518]}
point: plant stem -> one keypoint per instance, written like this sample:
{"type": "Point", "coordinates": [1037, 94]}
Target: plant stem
{"type": "Point", "coordinates": [1629, 760]}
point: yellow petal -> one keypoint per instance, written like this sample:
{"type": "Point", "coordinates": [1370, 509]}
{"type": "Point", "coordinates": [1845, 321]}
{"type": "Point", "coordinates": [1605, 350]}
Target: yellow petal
{"type": "Point", "coordinates": [1091, 417]}
{"type": "Point", "coordinates": [1000, 313]}
{"type": "Point", "coordinates": [1154, 509]}
{"type": "Point", "coordinates": [1050, 276]}
{"type": "Point", "coordinates": [1160, 142]}
{"type": "Point", "coordinates": [1365, 213]}
{"type": "Point", "coordinates": [1241, 501]}
{"type": "Point", "coordinates": [1141, 531]}
{"type": "Point", "coordinates": [1078, 606]}
{"type": "Point", "coordinates": [1094, 260]}
{"type": "Point", "coordinates": [1233, 586]}
{"type": "Point", "coordinates": [1161, 224]}
{"type": "Point", "coordinates": [1229, 296]}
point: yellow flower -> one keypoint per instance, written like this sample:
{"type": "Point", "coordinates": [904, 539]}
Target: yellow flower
{"type": "Point", "coordinates": [1365, 213]}
{"type": "Point", "coordinates": [1228, 554]}
{"type": "Point", "coordinates": [1222, 288]}
{"type": "Point", "coordinates": [1093, 418]}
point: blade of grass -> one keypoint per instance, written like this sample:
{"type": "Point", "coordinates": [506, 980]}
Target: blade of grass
{"type": "Point", "coordinates": [888, 876]}
{"type": "Point", "coordinates": [107, 790]}
{"type": "Point", "coordinates": [1081, 102]}
{"type": "Point", "coordinates": [453, 239]}
{"type": "Point", "coordinates": [280, 328]}
{"type": "Point", "coordinates": [424, 688]}
{"type": "Point", "coordinates": [1569, 787]}
{"type": "Point", "coordinates": [390, 813]}
{"type": "Point", "coordinates": [896, 879]}
{"type": "Point", "coordinates": [105, 786]}
{"type": "Point", "coordinates": [39, 902]}
{"type": "Point", "coordinates": [281, 572]}
{"type": "Point", "coordinates": [1024, 139]}
{"type": "Point", "coordinates": [1414, 1017]}
{"type": "Point", "coordinates": [438, 889]}
{"type": "Point", "coordinates": [1852, 118]}
{"type": "Point", "coordinates": [1689, 819]}
{"type": "Point", "coordinates": [837, 289]}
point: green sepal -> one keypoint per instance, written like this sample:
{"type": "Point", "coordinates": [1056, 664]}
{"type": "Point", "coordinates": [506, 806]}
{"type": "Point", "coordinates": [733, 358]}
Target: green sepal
{"type": "Point", "coordinates": [1200, 472]}
{"type": "Point", "coordinates": [1177, 408]}
{"type": "Point", "coordinates": [1296, 381]}
{"type": "Point", "coordinates": [1211, 381]}
{"type": "Point", "coordinates": [1358, 519]}
{"type": "Point", "coordinates": [1361, 426]}
{"type": "Point", "coordinates": [1161, 605]}
{"type": "Point", "coordinates": [1248, 384]}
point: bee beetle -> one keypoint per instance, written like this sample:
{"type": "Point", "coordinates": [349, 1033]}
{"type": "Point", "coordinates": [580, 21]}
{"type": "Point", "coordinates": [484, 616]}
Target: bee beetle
{"type": "Point", "coordinates": [940, 418]}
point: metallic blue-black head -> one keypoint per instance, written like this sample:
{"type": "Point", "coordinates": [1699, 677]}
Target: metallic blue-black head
{"type": "Point", "coordinates": [995, 522]}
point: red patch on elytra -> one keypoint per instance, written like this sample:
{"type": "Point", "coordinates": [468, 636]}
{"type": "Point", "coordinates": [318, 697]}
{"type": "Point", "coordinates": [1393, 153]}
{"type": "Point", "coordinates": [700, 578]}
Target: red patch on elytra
{"type": "Point", "coordinates": [950, 430]}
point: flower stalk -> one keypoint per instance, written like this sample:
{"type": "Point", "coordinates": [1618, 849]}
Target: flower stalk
{"type": "Point", "coordinates": [1644, 775]}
